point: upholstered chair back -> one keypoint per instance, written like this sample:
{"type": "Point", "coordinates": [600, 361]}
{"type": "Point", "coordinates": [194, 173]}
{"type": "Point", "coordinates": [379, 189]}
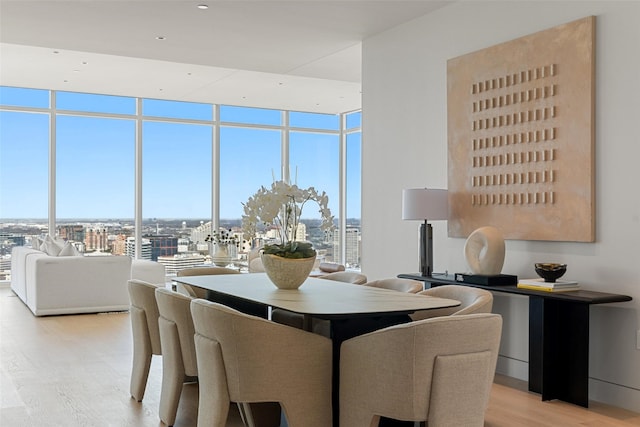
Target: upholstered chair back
{"type": "Point", "coordinates": [244, 358]}
{"type": "Point", "coordinates": [178, 349]}
{"type": "Point", "coordinates": [396, 284]}
{"type": "Point", "coordinates": [196, 292]}
{"type": "Point", "coordinates": [176, 323]}
{"type": "Point", "coordinates": [436, 370]}
{"type": "Point", "coordinates": [254, 262]}
{"type": "Point", "coordinates": [146, 333]}
{"type": "Point", "coordinates": [346, 277]}
{"type": "Point", "coordinates": [472, 300]}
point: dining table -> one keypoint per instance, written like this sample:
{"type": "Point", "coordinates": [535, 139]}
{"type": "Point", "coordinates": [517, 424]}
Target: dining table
{"type": "Point", "coordinates": [351, 310]}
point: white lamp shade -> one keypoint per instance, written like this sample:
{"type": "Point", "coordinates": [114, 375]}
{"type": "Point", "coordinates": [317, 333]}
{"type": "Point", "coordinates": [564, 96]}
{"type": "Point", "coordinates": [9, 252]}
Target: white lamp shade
{"type": "Point", "coordinates": [425, 204]}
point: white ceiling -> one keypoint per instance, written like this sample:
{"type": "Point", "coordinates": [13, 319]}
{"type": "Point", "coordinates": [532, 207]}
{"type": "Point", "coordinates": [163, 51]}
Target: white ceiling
{"type": "Point", "coordinates": [297, 54]}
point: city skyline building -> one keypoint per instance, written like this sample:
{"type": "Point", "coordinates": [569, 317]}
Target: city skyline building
{"type": "Point", "coordinates": [73, 232]}
{"type": "Point", "coordinates": [130, 248]}
{"type": "Point", "coordinates": [352, 246]}
{"type": "Point", "coordinates": [96, 239]}
{"type": "Point", "coordinates": [301, 232]}
{"type": "Point", "coordinates": [162, 245]}
{"type": "Point", "coordinates": [200, 233]}
{"type": "Point", "coordinates": [5, 267]}
{"type": "Point", "coordinates": [174, 263]}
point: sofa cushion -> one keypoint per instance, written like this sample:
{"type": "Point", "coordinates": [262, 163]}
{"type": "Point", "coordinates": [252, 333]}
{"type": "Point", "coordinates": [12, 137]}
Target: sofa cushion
{"type": "Point", "coordinates": [69, 250]}
{"type": "Point", "coordinates": [36, 242]}
{"type": "Point", "coordinates": [50, 247]}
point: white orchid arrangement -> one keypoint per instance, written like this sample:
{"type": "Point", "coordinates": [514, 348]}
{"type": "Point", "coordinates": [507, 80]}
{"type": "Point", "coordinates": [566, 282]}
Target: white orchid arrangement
{"type": "Point", "coordinates": [281, 206]}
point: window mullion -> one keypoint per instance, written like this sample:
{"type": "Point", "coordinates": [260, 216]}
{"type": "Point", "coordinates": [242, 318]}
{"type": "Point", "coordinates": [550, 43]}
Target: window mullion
{"type": "Point", "coordinates": [138, 181]}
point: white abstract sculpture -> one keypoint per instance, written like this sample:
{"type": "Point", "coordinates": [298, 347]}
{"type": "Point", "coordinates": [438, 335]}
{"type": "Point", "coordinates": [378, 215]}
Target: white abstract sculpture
{"type": "Point", "coordinates": [484, 251]}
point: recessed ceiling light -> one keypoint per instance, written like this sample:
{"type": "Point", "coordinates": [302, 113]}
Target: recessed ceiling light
{"type": "Point", "coordinates": [55, 52]}
{"type": "Point", "coordinates": [160, 38]}
{"type": "Point", "coordinates": [203, 6]}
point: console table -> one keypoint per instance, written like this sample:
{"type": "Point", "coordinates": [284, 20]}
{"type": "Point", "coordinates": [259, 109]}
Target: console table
{"type": "Point", "coordinates": [558, 336]}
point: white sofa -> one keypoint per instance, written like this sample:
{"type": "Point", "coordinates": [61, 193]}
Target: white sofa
{"type": "Point", "coordinates": [76, 284]}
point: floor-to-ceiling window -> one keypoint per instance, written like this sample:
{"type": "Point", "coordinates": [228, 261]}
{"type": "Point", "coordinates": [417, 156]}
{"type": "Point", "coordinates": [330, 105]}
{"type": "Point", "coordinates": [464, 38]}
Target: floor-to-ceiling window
{"type": "Point", "coordinates": [353, 188]}
{"type": "Point", "coordinates": [94, 172]}
{"type": "Point", "coordinates": [94, 151]}
{"type": "Point", "coordinates": [249, 156]}
{"type": "Point", "coordinates": [314, 154]}
{"type": "Point", "coordinates": [24, 168]}
{"type": "Point", "coordinates": [177, 146]}
{"type": "Point", "coordinates": [195, 164]}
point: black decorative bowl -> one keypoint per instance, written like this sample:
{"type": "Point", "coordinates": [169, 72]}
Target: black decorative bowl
{"type": "Point", "coordinates": [550, 272]}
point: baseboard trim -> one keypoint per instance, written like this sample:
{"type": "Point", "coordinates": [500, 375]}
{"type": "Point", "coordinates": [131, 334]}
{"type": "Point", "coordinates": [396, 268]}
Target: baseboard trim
{"type": "Point", "coordinates": [614, 394]}
{"type": "Point", "coordinates": [599, 391]}
{"type": "Point", "coordinates": [513, 368]}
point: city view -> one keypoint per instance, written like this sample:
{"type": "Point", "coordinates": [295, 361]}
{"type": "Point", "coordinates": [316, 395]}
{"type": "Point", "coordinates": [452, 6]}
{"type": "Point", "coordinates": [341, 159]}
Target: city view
{"type": "Point", "coordinates": [176, 243]}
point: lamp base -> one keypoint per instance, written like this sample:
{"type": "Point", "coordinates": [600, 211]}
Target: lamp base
{"type": "Point", "coordinates": [426, 249]}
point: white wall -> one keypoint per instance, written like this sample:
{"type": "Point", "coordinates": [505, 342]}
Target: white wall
{"type": "Point", "coordinates": [405, 146]}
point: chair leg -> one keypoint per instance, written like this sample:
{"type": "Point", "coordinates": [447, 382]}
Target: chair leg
{"type": "Point", "coordinates": [172, 372]}
{"type": "Point", "coordinates": [243, 408]}
{"type": "Point", "coordinates": [141, 354]}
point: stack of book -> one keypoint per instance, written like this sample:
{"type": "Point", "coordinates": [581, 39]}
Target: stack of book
{"type": "Point", "coordinates": [541, 285]}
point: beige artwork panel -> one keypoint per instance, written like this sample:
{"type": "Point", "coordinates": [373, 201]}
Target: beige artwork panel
{"type": "Point", "coordinates": [521, 136]}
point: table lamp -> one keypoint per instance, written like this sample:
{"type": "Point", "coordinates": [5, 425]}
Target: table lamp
{"type": "Point", "coordinates": [425, 204]}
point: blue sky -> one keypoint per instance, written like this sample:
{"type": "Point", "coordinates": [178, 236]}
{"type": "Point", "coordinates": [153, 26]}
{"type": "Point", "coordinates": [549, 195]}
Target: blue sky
{"type": "Point", "coordinates": [95, 158]}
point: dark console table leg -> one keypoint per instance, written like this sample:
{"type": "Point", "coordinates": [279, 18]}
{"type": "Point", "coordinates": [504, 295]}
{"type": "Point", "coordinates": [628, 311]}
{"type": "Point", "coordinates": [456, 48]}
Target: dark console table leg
{"type": "Point", "coordinates": [536, 336]}
{"type": "Point", "coordinates": [559, 350]}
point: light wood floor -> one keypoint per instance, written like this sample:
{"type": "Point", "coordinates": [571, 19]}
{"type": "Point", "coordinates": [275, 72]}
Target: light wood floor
{"type": "Point", "coordinates": [74, 371]}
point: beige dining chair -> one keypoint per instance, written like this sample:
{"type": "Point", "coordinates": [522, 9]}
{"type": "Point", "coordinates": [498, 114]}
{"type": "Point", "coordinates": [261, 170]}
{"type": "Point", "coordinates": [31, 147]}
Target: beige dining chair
{"type": "Point", "coordinates": [243, 359]}
{"type": "Point", "coordinates": [472, 300]}
{"type": "Point", "coordinates": [346, 277]}
{"type": "Point", "coordinates": [330, 267]}
{"type": "Point", "coordinates": [196, 292]}
{"type": "Point", "coordinates": [437, 371]}
{"type": "Point", "coordinates": [145, 331]}
{"type": "Point", "coordinates": [256, 266]}
{"type": "Point", "coordinates": [254, 262]}
{"type": "Point", "coordinates": [179, 363]}
{"type": "Point", "coordinates": [397, 284]}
